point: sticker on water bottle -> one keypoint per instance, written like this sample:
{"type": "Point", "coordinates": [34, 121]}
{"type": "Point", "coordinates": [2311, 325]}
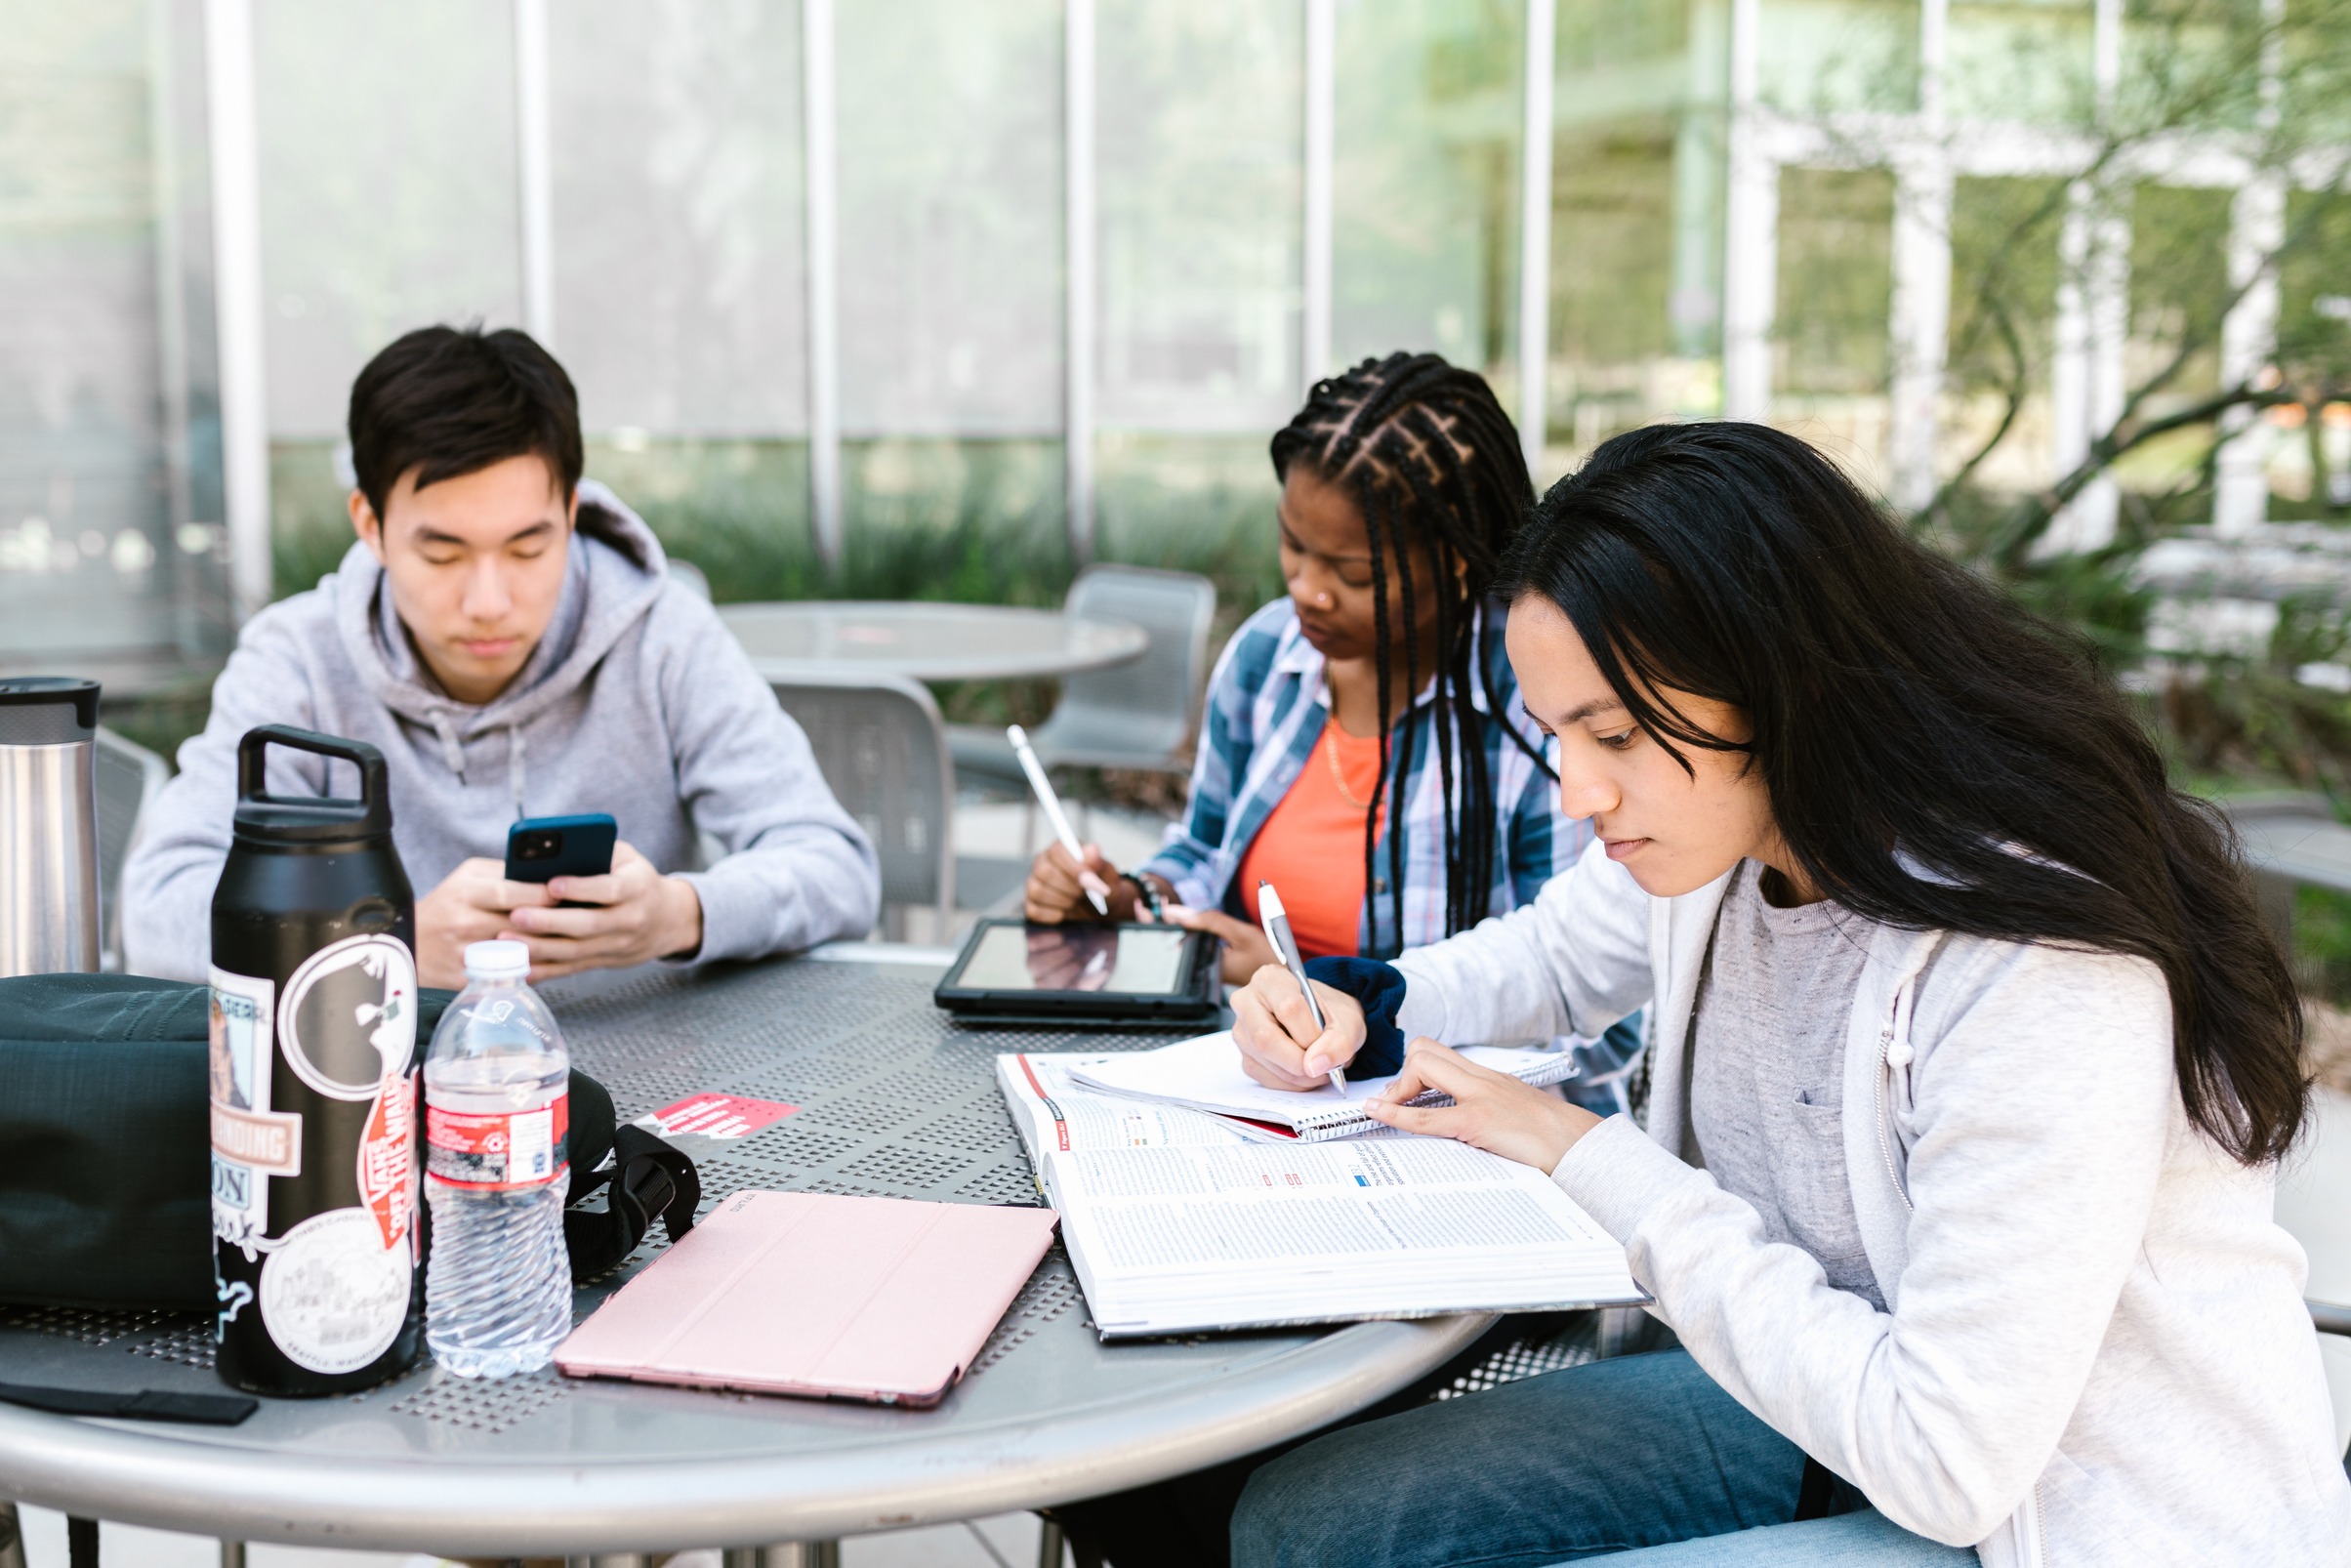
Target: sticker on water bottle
{"type": "Point", "coordinates": [498, 1154]}
{"type": "Point", "coordinates": [333, 1296]}
{"type": "Point", "coordinates": [250, 1142]}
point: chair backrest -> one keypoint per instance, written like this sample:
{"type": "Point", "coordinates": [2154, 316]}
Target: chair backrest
{"type": "Point", "coordinates": [1137, 715]}
{"type": "Point", "coordinates": [882, 747]}
{"type": "Point", "coordinates": [127, 778]}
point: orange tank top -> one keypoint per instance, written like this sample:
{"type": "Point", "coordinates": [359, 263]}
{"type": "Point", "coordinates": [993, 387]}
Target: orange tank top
{"type": "Point", "coordinates": [1310, 846]}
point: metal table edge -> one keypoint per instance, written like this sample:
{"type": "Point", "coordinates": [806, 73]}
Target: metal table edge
{"type": "Point", "coordinates": [857, 952]}
{"type": "Point", "coordinates": [120, 1472]}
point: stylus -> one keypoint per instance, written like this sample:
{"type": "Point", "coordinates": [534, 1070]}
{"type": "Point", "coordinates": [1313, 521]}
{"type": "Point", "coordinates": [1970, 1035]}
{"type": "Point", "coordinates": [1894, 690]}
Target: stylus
{"type": "Point", "coordinates": [1276, 921]}
{"type": "Point", "coordinates": [1096, 892]}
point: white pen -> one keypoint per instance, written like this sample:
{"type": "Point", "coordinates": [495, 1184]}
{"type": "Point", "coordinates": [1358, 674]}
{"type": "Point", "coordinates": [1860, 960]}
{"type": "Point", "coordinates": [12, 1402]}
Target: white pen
{"type": "Point", "coordinates": [1276, 921]}
{"type": "Point", "coordinates": [1096, 890]}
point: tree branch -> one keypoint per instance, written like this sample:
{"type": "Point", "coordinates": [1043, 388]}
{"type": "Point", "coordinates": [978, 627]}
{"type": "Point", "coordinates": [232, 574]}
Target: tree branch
{"type": "Point", "coordinates": [2035, 513]}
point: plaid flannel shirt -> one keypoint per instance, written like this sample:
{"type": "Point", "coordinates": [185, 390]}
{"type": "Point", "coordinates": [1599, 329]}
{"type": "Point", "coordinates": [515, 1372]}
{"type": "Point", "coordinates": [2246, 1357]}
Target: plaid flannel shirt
{"type": "Point", "coordinates": [1267, 707]}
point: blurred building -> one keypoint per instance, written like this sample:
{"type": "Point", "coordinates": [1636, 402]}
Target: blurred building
{"type": "Point", "coordinates": [824, 269]}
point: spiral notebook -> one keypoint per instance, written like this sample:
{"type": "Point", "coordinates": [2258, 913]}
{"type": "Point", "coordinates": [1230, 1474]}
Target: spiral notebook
{"type": "Point", "coordinates": [1204, 1073]}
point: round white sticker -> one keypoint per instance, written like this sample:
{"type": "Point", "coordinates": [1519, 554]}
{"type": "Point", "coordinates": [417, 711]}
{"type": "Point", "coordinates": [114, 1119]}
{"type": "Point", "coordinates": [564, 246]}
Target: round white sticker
{"type": "Point", "coordinates": [333, 1297]}
{"type": "Point", "coordinates": [347, 1020]}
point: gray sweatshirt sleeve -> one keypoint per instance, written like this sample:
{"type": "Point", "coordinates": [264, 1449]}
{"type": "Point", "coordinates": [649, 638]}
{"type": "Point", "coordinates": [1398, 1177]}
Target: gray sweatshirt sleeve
{"type": "Point", "coordinates": [167, 883]}
{"type": "Point", "coordinates": [1574, 960]}
{"type": "Point", "coordinates": [797, 871]}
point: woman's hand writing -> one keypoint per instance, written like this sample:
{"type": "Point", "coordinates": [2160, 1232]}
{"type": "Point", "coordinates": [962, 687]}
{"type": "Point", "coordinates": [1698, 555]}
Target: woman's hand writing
{"type": "Point", "coordinates": [1056, 892]}
{"type": "Point", "coordinates": [1280, 1047]}
{"type": "Point", "coordinates": [1491, 1111]}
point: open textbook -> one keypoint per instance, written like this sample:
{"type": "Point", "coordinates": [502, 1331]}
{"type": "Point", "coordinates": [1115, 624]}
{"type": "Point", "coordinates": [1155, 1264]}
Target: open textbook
{"type": "Point", "coordinates": [1204, 1073]}
{"type": "Point", "coordinates": [1176, 1223]}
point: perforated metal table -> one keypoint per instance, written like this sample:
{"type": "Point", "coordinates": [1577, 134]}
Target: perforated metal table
{"type": "Point", "coordinates": [893, 1101]}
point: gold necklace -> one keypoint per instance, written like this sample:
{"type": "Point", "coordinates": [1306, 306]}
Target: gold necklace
{"type": "Point", "coordinates": [1331, 734]}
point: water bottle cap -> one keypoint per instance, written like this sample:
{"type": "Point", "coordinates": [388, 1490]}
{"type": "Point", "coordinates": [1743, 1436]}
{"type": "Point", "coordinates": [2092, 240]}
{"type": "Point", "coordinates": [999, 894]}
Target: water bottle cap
{"type": "Point", "coordinates": [497, 960]}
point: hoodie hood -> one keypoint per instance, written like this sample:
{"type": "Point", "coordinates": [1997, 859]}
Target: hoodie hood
{"type": "Point", "coordinates": [605, 592]}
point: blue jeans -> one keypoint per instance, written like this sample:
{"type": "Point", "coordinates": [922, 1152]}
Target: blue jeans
{"type": "Point", "coordinates": [1609, 1456]}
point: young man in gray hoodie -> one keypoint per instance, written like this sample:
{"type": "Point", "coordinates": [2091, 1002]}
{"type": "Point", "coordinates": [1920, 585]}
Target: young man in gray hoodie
{"type": "Point", "coordinates": [507, 636]}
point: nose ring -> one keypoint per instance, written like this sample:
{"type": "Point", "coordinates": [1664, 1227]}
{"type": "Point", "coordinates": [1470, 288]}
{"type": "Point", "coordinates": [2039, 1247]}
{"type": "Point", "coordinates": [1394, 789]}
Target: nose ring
{"type": "Point", "coordinates": [1323, 600]}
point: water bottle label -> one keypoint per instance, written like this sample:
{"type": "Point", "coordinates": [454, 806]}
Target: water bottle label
{"type": "Point", "coordinates": [498, 1154]}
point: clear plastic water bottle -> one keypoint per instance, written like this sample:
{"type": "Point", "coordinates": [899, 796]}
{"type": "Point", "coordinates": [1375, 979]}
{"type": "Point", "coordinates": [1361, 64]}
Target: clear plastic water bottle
{"type": "Point", "coordinates": [498, 1283]}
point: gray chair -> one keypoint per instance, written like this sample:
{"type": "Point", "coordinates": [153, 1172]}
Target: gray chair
{"type": "Point", "coordinates": [1137, 715]}
{"type": "Point", "coordinates": [881, 746]}
{"type": "Point", "coordinates": [128, 777]}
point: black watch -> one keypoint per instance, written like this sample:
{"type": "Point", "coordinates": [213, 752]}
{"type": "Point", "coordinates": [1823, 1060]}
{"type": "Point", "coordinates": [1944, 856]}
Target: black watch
{"type": "Point", "coordinates": [1147, 894]}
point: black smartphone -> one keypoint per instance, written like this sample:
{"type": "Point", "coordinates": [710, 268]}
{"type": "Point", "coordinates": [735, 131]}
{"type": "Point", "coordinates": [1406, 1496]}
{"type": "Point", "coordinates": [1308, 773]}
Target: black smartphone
{"type": "Point", "coordinates": [541, 848]}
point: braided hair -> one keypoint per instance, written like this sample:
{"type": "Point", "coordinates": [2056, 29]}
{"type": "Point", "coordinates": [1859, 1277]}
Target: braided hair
{"type": "Point", "coordinates": [1433, 464]}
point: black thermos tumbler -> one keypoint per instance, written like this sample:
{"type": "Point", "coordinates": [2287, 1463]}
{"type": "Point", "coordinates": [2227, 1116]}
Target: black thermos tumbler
{"type": "Point", "coordinates": [313, 1085]}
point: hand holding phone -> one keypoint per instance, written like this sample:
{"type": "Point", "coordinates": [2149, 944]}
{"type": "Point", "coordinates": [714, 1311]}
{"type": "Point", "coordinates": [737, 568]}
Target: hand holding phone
{"type": "Point", "coordinates": [628, 914]}
{"type": "Point", "coordinates": [625, 910]}
{"type": "Point", "coordinates": [541, 848]}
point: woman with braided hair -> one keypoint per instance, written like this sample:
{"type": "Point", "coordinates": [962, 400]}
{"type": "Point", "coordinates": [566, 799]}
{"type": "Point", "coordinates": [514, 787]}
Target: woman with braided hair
{"type": "Point", "coordinates": [1364, 748]}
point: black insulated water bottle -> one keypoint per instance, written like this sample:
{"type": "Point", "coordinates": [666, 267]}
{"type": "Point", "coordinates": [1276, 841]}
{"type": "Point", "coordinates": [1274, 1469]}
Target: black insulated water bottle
{"type": "Point", "coordinates": [313, 1085]}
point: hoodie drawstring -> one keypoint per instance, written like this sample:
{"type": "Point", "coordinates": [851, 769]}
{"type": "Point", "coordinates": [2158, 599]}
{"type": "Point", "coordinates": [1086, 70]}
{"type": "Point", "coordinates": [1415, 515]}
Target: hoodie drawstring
{"type": "Point", "coordinates": [452, 753]}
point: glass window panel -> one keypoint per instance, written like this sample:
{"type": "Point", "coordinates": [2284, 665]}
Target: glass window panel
{"type": "Point", "coordinates": [2314, 289]}
{"type": "Point", "coordinates": [386, 186]}
{"type": "Point", "coordinates": [1424, 243]}
{"type": "Point", "coordinates": [1835, 288]}
{"type": "Point", "coordinates": [86, 571]}
{"type": "Point", "coordinates": [2010, 62]}
{"type": "Point", "coordinates": [1819, 56]}
{"type": "Point", "coordinates": [1194, 503]}
{"type": "Point", "coordinates": [2179, 291]}
{"type": "Point", "coordinates": [951, 192]}
{"type": "Point", "coordinates": [2003, 312]}
{"type": "Point", "coordinates": [1199, 151]}
{"type": "Point", "coordinates": [1637, 217]}
{"type": "Point", "coordinates": [681, 287]}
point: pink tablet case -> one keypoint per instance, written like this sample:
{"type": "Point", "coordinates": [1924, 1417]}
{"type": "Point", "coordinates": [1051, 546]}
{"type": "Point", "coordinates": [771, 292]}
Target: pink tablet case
{"type": "Point", "coordinates": [793, 1293]}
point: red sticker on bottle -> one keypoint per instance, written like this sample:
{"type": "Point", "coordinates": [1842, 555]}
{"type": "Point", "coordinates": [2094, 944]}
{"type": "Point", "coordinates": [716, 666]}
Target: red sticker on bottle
{"type": "Point", "coordinates": [499, 1152]}
{"type": "Point", "coordinates": [387, 1158]}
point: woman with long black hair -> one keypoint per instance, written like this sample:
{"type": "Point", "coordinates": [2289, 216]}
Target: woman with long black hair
{"type": "Point", "coordinates": [1969, 1067]}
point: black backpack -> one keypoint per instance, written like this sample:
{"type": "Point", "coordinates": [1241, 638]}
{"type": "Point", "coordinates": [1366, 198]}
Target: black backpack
{"type": "Point", "coordinates": [106, 1148]}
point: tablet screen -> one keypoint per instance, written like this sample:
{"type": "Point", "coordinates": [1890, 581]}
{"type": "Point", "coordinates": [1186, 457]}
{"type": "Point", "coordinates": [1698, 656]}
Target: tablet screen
{"type": "Point", "coordinates": [1076, 958]}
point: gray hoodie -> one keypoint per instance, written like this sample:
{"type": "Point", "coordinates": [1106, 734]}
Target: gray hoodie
{"type": "Point", "coordinates": [637, 702]}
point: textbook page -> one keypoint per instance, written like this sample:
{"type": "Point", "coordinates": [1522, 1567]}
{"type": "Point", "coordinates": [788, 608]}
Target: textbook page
{"type": "Point", "coordinates": [1182, 1238]}
{"type": "Point", "coordinates": [1054, 1112]}
{"type": "Point", "coordinates": [1205, 1074]}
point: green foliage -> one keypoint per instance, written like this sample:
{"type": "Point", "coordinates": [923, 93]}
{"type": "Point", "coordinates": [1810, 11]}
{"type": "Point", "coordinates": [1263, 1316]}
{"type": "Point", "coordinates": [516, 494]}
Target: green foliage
{"type": "Point", "coordinates": [2252, 720]}
{"type": "Point", "coordinates": [2094, 595]}
{"type": "Point", "coordinates": [2322, 939]}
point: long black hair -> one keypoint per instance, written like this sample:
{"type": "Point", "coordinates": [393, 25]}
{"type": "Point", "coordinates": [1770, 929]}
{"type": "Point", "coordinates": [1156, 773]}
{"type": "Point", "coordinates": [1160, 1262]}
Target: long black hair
{"type": "Point", "coordinates": [1937, 759]}
{"type": "Point", "coordinates": [1433, 464]}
